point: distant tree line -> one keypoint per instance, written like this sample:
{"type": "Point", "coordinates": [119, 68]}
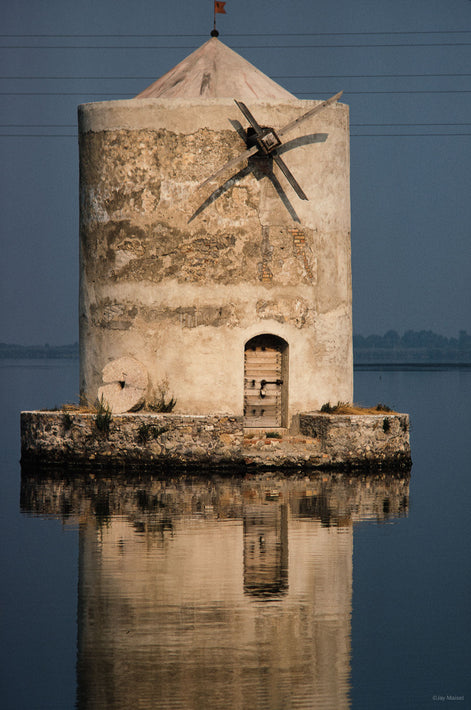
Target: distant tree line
{"type": "Point", "coordinates": [412, 346]}
{"type": "Point", "coordinates": [39, 351]}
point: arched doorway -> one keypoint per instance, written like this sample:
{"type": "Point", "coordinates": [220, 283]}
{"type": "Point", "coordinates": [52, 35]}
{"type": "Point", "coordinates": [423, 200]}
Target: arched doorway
{"type": "Point", "coordinates": [266, 382]}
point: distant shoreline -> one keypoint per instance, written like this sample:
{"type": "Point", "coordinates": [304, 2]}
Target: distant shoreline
{"type": "Point", "coordinates": [33, 352]}
{"type": "Point", "coordinates": [363, 358]}
{"type": "Point", "coordinates": [421, 348]}
{"type": "Point", "coordinates": [357, 366]}
{"type": "Point", "coordinates": [398, 365]}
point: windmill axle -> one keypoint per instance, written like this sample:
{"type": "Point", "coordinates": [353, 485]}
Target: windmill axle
{"type": "Point", "coordinates": [267, 140]}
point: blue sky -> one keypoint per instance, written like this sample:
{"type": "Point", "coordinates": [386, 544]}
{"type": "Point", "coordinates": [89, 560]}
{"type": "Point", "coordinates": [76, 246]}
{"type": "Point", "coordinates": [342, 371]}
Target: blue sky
{"type": "Point", "coordinates": [405, 69]}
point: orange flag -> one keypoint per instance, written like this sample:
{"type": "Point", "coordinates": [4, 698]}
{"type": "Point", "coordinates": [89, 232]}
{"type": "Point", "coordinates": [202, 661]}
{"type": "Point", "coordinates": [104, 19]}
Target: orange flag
{"type": "Point", "coordinates": [219, 7]}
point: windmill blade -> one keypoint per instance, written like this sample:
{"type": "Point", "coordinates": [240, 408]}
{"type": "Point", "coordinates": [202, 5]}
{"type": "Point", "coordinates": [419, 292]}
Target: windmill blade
{"type": "Point", "coordinates": [310, 113]}
{"type": "Point", "coordinates": [235, 161]}
{"type": "Point", "coordinates": [251, 119]}
{"type": "Point", "coordinates": [290, 177]}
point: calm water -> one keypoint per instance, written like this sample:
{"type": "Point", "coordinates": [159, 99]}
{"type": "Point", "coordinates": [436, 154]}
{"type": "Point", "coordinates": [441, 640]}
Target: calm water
{"type": "Point", "coordinates": [266, 593]}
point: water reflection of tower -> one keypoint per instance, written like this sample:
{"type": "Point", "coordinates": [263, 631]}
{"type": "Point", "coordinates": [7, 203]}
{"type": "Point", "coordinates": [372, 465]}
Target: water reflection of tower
{"type": "Point", "coordinates": [172, 586]}
{"type": "Point", "coordinates": [266, 548]}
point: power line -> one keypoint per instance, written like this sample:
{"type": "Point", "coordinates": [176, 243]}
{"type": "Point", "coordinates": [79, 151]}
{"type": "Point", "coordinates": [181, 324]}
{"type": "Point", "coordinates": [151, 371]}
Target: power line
{"type": "Point", "coordinates": [38, 125]}
{"type": "Point", "coordinates": [275, 76]}
{"type": "Point", "coordinates": [356, 125]}
{"type": "Point", "coordinates": [405, 135]}
{"type": "Point", "coordinates": [356, 76]}
{"type": "Point", "coordinates": [304, 93]}
{"type": "Point", "coordinates": [254, 46]}
{"type": "Point", "coordinates": [63, 93]}
{"type": "Point", "coordinates": [352, 125]}
{"type": "Point", "coordinates": [352, 135]}
{"type": "Point", "coordinates": [255, 34]}
{"type": "Point", "coordinates": [122, 78]}
{"type": "Point", "coordinates": [38, 135]}
{"type": "Point", "coordinates": [399, 91]}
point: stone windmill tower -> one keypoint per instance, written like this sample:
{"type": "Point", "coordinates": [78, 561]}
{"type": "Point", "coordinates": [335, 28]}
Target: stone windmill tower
{"type": "Point", "coordinates": [236, 290]}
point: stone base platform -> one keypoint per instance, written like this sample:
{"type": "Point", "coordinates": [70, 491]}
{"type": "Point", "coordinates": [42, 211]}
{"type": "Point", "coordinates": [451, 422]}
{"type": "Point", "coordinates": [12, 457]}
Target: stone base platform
{"type": "Point", "coordinates": [74, 439]}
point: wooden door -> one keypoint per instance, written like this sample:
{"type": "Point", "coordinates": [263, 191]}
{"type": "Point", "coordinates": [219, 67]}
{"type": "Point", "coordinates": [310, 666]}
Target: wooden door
{"type": "Point", "coordinates": [263, 384]}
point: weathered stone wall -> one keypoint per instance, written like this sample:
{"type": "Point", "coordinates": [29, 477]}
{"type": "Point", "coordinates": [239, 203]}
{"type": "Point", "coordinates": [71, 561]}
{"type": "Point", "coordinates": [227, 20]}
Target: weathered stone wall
{"type": "Point", "coordinates": [142, 439]}
{"type": "Point", "coordinates": [180, 278]}
{"type": "Point", "coordinates": [366, 437]}
{"type": "Point", "coordinates": [131, 438]}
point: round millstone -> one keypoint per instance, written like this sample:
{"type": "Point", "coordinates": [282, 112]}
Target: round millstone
{"type": "Point", "coordinates": [126, 381]}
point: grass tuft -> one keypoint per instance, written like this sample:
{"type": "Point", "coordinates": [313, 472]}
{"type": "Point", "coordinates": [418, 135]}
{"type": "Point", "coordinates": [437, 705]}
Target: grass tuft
{"type": "Point", "coordinates": [103, 417]}
{"type": "Point", "coordinates": [347, 408]}
{"type": "Point", "coordinates": [383, 407]}
{"type": "Point", "coordinates": [162, 402]}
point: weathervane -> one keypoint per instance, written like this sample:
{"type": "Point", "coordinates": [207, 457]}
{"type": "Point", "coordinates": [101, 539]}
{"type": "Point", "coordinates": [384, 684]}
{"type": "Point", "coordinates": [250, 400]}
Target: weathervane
{"type": "Point", "coordinates": [218, 9]}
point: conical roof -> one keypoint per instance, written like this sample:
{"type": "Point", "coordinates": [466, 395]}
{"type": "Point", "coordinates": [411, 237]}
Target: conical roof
{"type": "Point", "coordinates": [215, 71]}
